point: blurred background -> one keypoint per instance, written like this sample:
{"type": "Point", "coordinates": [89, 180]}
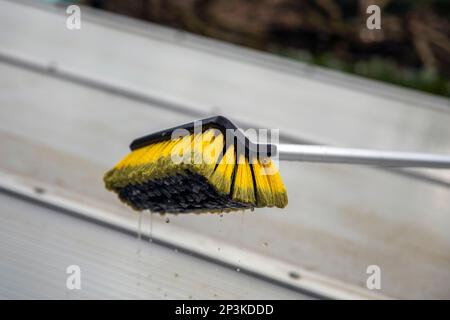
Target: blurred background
{"type": "Point", "coordinates": [72, 99]}
{"type": "Point", "coordinates": [412, 49]}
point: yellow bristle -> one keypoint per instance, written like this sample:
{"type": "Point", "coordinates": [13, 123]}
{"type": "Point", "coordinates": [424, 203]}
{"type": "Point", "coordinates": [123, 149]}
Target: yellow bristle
{"type": "Point", "coordinates": [212, 149]}
{"type": "Point", "coordinates": [175, 158]}
{"type": "Point", "coordinates": [182, 150]}
{"type": "Point", "coordinates": [136, 166]}
{"type": "Point", "coordinates": [113, 177]}
{"type": "Point", "coordinates": [199, 143]}
{"type": "Point", "coordinates": [243, 189]}
{"type": "Point", "coordinates": [279, 193]}
{"type": "Point", "coordinates": [148, 154]}
{"type": "Point", "coordinates": [221, 178]}
{"type": "Point", "coordinates": [145, 166]}
{"type": "Point", "coordinates": [197, 152]}
{"type": "Point", "coordinates": [264, 194]}
{"type": "Point", "coordinates": [126, 161]}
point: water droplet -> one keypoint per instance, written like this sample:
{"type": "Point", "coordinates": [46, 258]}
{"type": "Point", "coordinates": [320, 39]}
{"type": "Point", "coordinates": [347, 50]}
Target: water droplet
{"type": "Point", "coordinates": [139, 233]}
{"type": "Point", "coordinates": [150, 234]}
{"type": "Point", "coordinates": [139, 225]}
{"type": "Point", "coordinates": [39, 190]}
{"type": "Point", "coordinates": [238, 270]}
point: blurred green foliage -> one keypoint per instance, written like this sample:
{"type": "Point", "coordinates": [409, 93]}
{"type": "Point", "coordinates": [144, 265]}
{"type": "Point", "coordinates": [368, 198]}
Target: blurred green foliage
{"type": "Point", "coordinates": [412, 49]}
{"type": "Point", "coordinates": [376, 68]}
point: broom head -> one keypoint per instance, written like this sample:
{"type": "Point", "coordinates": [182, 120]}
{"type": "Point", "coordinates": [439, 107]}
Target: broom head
{"type": "Point", "coordinates": [203, 166]}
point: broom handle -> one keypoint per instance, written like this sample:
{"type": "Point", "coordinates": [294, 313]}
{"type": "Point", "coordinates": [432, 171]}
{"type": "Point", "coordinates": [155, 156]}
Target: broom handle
{"type": "Point", "coordinates": [311, 153]}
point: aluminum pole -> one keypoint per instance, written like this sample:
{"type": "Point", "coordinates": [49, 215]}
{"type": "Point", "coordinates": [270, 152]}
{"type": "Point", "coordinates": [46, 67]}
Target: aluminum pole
{"type": "Point", "coordinates": [309, 153]}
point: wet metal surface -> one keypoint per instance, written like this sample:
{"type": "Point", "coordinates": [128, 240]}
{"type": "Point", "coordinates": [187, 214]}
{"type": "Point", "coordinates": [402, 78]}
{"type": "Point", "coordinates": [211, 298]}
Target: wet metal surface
{"type": "Point", "coordinates": [38, 244]}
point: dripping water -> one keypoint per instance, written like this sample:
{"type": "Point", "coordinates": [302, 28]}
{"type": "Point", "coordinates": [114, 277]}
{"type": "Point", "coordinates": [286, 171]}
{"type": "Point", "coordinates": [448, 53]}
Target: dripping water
{"type": "Point", "coordinates": [241, 236]}
{"type": "Point", "coordinates": [138, 257]}
{"type": "Point", "coordinates": [139, 232]}
{"type": "Point", "coordinates": [241, 239]}
{"type": "Point", "coordinates": [150, 233]}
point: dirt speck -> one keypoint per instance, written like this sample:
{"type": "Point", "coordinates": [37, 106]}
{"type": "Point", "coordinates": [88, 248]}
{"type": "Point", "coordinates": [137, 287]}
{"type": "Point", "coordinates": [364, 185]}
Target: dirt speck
{"type": "Point", "coordinates": [39, 190]}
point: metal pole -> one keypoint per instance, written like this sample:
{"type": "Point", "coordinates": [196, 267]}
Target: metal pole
{"type": "Point", "coordinates": [309, 153]}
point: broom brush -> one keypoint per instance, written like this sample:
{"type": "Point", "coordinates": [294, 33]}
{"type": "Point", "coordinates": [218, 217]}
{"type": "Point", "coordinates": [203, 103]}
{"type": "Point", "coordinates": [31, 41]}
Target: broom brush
{"type": "Point", "coordinates": [211, 166]}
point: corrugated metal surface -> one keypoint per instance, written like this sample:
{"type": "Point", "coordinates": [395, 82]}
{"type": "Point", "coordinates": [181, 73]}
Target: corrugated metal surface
{"type": "Point", "coordinates": [38, 243]}
{"type": "Point", "coordinates": [205, 77]}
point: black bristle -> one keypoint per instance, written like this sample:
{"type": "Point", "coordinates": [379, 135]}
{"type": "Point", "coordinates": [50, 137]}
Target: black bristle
{"type": "Point", "coordinates": [180, 193]}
